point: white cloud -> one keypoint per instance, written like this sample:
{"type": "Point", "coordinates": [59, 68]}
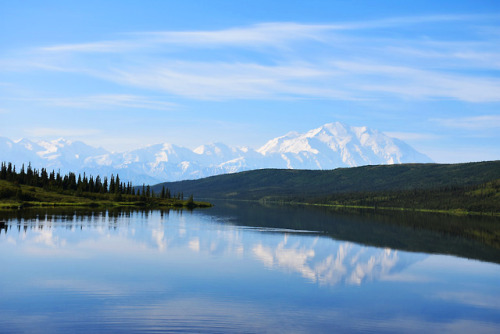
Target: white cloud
{"type": "Point", "coordinates": [334, 80]}
{"type": "Point", "coordinates": [96, 47]}
{"type": "Point", "coordinates": [203, 80]}
{"type": "Point", "coordinates": [60, 132]}
{"type": "Point", "coordinates": [413, 135]}
{"type": "Point", "coordinates": [268, 34]}
{"type": "Point", "coordinates": [287, 60]}
{"type": "Point", "coordinates": [104, 101]}
{"type": "Point", "coordinates": [111, 100]}
{"type": "Point", "coordinates": [415, 83]}
{"type": "Point", "coordinates": [472, 123]}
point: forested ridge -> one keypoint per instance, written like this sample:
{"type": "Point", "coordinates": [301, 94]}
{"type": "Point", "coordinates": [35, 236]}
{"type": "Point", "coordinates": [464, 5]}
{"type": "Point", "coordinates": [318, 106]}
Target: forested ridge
{"type": "Point", "coordinates": [457, 187]}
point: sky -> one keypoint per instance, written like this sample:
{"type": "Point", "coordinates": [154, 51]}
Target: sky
{"type": "Point", "coordinates": [127, 74]}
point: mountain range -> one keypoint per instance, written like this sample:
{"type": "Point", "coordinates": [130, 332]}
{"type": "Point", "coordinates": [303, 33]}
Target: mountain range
{"type": "Point", "coordinates": [330, 146]}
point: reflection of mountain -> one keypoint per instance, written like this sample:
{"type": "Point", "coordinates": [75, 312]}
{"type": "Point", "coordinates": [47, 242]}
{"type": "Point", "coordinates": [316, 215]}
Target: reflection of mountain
{"type": "Point", "coordinates": [384, 229]}
{"type": "Point", "coordinates": [402, 230]}
{"type": "Point", "coordinates": [318, 259]}
{"type": "Point", "coordinates": [351, 263]}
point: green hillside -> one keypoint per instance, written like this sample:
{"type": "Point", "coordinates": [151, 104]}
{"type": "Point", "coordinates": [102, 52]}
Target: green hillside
{"type": "Point", "coordinates": [465, 186]}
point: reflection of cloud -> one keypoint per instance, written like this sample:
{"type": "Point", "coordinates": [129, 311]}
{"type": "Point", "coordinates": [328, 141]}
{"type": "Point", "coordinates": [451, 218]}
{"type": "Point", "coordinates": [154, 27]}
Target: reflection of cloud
{"type": "Point", "coordinates": [404, 277]}
{"type": "Point", "coordinates": [471, 298]}
{"type": "Point", "coordinates": [82, 286]}
{"type": "Point", "coordinates": [232, 315]}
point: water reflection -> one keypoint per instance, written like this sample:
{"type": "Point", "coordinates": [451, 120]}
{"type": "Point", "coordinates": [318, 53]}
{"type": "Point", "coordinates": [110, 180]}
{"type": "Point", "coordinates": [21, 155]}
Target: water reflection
{"type": "Point", "coordinates": [349, 264]}
{"type": "Point", "coordinates": [318, 259]}
{"type": "Point", "coordinates": [401, 230]}
{"type": "Point", "coordinates": [234, 270]}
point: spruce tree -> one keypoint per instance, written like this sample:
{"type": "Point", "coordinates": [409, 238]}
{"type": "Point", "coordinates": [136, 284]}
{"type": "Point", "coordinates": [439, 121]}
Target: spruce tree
{"type": "Point", "coordinates": [117, 185]}
{"type": "Point", "coordinates": [111, 184]}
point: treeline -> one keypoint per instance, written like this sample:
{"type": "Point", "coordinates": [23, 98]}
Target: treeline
{"type": "Point", "coordinates": [56, 181]}
{"type": "Point", "coordinates": [78, 184]}
{"type": "Point", "coordinates": [484, 198]}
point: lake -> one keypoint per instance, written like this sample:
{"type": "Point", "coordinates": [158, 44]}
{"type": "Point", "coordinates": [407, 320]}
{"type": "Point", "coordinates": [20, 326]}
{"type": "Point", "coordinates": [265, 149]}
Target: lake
{"type": "Point", "coordinates": [243, 267]}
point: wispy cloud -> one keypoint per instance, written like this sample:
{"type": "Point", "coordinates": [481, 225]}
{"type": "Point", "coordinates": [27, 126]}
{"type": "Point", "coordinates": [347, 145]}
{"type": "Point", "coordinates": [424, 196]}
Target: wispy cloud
{"type": "Point", "coordinates": [421, 84]}
{"type": "Point", "coordinates": [270, 34]}
{"type": "Point", "coordinates": [335, 80]}
{"type": "Point", "coordinates": [413, 135]}
{"type": "Point", "coordinates": [60, 132]}
{"type": "Point", "coordinates": [254, 36]}
{"type": "Point", "coordinates": [113, 100]}
{"type": "Point", "coordinates": [290, 60]}
{"type": "Point", "coordinates": [472, 123]}
{"type": "Point", "coordinates": [202, 80]}
{"type": "Point", "coordinates": [105, 101]}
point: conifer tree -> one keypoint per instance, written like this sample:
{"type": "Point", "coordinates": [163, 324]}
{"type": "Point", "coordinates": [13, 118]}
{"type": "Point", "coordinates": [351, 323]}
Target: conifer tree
{"type": "Point", "coordinates": [105, 185]}
{"type": "Point", "coordinates": [117, 185]}
{"type": "Point", "coordinates": [111, 184]}
{"type": "Point", "coordinates": [3, 171]}
{"type": "Point", "coordinates": [22, 175]}
{"type": "Point", "coordinates": [91, 184]}
{"type": "Point", "coordinates": [97, 184]}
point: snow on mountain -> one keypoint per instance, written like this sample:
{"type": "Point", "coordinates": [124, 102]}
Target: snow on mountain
{"type": "Point", "coordinates": [338, 145]}
{"type": "Point", "coordinates": [329, 146]}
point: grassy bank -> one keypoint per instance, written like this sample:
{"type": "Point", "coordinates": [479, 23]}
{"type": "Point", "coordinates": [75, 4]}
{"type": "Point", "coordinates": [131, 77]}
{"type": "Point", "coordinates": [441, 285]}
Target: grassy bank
{"type": "Point", "coordinates": [15, 196]}
{"type": "Point", "coordinates": [454, 212]}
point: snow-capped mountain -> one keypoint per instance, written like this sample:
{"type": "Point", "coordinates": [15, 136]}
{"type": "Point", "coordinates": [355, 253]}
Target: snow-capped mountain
{"type": "Point", "coordinates": [329, 146]}
{"type": "Point", "coordinates": [336, 144]}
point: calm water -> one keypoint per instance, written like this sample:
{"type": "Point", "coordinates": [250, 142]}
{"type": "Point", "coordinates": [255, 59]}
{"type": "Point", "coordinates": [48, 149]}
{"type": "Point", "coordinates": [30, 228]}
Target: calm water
{"type": "Point", "coordinates": [241, 268]}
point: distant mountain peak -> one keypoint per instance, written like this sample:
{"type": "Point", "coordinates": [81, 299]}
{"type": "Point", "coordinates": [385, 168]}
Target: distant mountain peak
{"type": "Point", "coordinates": [329, 146]}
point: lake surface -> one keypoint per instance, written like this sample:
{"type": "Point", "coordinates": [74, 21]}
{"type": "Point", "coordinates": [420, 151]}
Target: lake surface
{"type": "Point", "coordinates": [241, 268]}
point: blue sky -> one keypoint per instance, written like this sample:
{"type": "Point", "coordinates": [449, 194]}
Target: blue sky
{"type": "Point", "coordinates": [126, 74]}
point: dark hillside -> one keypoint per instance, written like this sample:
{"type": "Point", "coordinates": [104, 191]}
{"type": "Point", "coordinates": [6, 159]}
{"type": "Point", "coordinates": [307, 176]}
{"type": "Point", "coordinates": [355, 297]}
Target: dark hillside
{"type": "Point", "coordinates": [289, 184]}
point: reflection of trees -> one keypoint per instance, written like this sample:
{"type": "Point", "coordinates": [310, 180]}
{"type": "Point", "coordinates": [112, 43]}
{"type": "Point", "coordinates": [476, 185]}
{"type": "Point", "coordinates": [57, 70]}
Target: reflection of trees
{"type": "Point", "coordinates": [379, 228]}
